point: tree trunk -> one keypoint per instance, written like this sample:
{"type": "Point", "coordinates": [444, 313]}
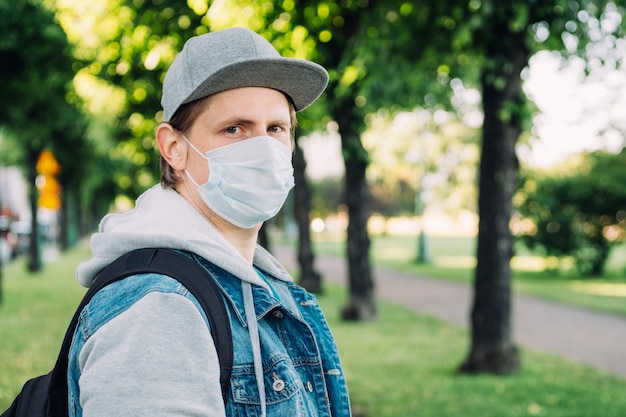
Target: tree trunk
{"type": "Point", "coordinates": [2, 260]}
{"type": "Point", "coordinates": [492, 348]}
{"type": "Point", "coordinates": [1, 281]}
{"type": "Point", "coordinates": [361, 304]}
{"type": "Point", "coordinates": [64, 214]}
{"type": "Point", "coordinates": [309, 278]}
{"type": "Point", "coordinates": [34, 248]}
{"type": "Point", "coordinates": [69, 227]}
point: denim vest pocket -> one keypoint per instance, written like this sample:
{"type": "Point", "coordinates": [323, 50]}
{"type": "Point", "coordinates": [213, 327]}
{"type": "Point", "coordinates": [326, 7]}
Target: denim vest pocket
{"type": "Point", "coordinates": [285, 393]}
{"type": "Point", "coordinates": [281, 383]}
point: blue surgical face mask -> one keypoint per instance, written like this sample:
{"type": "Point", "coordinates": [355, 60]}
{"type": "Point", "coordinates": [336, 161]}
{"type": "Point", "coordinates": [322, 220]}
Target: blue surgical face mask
{"type": "Point", "coordinates": [249, 180]}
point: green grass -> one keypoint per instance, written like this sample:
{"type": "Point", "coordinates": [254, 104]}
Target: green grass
{"type": "Point", "coordinates": [34, 315]}
{"type": "Point", "coordinates": [402, 365]}
{"type": "Point", "coordinates": [453, 258]}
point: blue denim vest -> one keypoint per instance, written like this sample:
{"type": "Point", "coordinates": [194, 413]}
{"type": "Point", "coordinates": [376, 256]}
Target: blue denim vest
{"type": "Point", "coordinates": [302, 372]}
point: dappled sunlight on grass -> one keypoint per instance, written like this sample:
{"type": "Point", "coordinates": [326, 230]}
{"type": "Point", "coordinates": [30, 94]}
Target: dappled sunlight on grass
{"type": "Point", "coordinates": [521, 263]}
{"type": "Point", "coordinates": [599, 288]}
{"type": "Point", "coordinates": [454, 261]}
{"type": "Point", "coordinates": [528, 263]}
{"type": "Point", "coordinates": [395, 253]}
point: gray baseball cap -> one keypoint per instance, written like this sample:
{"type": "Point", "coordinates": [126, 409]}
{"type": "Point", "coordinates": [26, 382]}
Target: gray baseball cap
{"type": "Point", "coordinates": [234, 58]}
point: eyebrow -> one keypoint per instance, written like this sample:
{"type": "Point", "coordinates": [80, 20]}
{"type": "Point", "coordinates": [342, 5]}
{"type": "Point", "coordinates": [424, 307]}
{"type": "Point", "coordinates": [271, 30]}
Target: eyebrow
{"type": "Point", "coordinates": [240, 120]}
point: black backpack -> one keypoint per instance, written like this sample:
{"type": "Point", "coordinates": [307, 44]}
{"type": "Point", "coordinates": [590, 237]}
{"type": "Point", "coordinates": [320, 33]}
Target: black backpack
{"type": "Point", "coordinates": [46, 395]}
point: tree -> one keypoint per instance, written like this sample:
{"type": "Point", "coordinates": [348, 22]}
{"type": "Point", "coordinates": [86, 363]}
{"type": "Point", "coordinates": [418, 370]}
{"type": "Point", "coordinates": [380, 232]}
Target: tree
{"type": "Point", "coordinates": [336, 27]}
{"type": "Point", "coordinates": [121, 62]}
{"type": "Point", "coordinates": [371, 51]}
{"type": "Point", "coordinates": [81, 171]}
{"type": "Point", "coordinates": [487, 45]}
{"type": "Point", "coordinates": [492, 42]}
{"type": "Point", "coordinates": [506, 53]}
{"type": "Point", "coordinates": [35, 67]}
{"type": "Point", "coordinates": [309, 278]}
{"type": "Point", "coordinates": [500, 33]}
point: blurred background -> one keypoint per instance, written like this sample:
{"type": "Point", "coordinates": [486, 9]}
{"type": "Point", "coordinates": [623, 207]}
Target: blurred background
{"type": "Point", "coordinates": [468, 140]}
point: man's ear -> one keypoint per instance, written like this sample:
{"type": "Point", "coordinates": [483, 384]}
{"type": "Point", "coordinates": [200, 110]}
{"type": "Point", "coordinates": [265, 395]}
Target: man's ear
{"type": "Point", "coordinates": [171, 146]}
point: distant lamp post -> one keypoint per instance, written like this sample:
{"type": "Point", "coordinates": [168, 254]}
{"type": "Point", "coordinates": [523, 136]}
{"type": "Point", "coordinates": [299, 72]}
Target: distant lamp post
{"type": "Point", "coordinates": [419, 159]}
{"type": "Point", "coordinates": [423, 255]}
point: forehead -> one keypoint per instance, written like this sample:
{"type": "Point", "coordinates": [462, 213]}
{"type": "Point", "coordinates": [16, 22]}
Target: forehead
{"type": "Point", "coordinates": [253, 102]}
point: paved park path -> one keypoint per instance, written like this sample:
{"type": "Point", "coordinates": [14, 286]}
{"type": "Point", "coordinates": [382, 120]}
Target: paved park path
{"type": "Point", "coordinates": [594, 338]}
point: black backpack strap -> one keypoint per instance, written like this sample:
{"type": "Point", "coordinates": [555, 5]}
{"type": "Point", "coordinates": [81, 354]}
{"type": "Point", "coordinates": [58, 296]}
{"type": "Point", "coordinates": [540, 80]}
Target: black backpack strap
{"type": "Point", "coordinates": [177, 266]}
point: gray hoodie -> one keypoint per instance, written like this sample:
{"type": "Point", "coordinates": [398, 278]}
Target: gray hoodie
{"type": "Point", "coordinates": [161, 218]}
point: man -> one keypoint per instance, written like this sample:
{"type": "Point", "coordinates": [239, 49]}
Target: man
{"type": "Point", "coordinates": [142, 346]}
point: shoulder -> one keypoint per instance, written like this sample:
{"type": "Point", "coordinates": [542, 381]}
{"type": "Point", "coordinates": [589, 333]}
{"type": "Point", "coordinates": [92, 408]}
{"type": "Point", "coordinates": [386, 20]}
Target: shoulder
{"type": "Point", "coordinates": [160, 350]}
{"type": "Point", "coordinates": [149, 294]}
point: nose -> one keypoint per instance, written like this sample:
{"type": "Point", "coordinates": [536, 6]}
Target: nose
{"type": "Point", "coordinates": [258, 131]}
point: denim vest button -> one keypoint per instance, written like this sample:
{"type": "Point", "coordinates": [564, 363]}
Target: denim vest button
{"type": "Point", "coordinates": [278, 314]}
{"type": "Point", "coordinates": [278, 385]}
{"type": "Point", "coordinates": [309, 386]}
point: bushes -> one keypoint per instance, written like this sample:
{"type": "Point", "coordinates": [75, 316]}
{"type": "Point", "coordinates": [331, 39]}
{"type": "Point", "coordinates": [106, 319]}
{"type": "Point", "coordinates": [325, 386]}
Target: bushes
{"type": "Point", "coordinates": [580, 214]}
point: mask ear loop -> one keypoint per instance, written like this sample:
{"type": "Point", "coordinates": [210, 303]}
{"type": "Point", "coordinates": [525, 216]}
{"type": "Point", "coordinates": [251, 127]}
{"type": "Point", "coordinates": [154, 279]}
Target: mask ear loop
{"type": "Point", "coordinates": [193, 147]}
{"type": "Point", "coordinates": [198, 152]}
{"type": "Point", "coordinates": [191, 178]}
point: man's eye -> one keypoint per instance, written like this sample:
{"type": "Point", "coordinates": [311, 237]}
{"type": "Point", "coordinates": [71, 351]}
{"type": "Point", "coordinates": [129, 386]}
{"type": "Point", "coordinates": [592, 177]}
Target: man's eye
{"type": "Point", "coordinates": [232, 129]}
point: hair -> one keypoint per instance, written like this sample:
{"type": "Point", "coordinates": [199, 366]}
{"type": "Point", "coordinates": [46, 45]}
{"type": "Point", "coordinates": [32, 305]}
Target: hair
{"type": "Point", "coordinates": [183, 119]}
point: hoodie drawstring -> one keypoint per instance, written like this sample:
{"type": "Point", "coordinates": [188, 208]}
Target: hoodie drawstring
{"type": "Point", "coordinates": [253, 330]}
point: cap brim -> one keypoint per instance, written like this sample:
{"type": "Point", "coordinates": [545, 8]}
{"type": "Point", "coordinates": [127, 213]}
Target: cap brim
{"type": "Point", "coordinates": [303, 81]}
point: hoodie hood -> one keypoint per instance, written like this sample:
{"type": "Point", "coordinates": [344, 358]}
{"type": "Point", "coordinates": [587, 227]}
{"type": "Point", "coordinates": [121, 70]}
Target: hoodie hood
{"type": "Point", "coordinates": [163, 218]}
